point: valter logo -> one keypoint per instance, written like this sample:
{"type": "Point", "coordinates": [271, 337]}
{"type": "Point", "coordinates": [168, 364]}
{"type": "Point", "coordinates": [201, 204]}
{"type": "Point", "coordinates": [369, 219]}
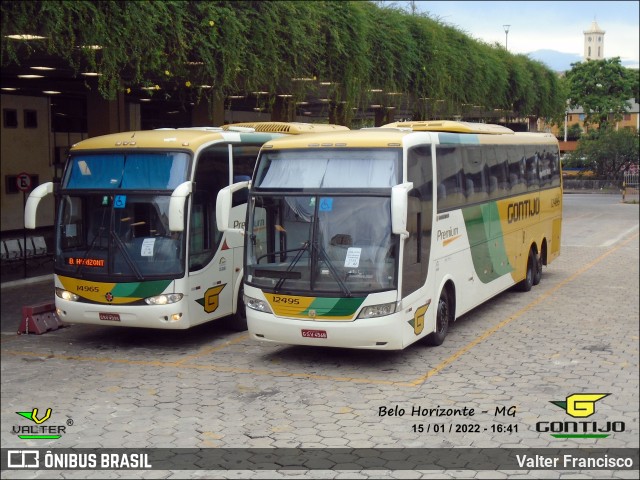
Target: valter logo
{"type": "Point", "coordinates": [580, 405]}
{"type": "Point", "coordinates": [39, 431]}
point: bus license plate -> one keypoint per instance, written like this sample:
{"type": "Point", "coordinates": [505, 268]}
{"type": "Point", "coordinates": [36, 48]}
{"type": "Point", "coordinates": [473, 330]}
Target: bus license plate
{"type": "Point", "coordinates": [110, 317]}
{"type": "Point", "coordinates": [314, 333]}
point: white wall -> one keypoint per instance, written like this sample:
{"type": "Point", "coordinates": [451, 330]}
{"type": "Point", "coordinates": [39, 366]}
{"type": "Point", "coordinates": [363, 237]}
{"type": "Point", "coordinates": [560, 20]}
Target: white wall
{"type": "Point", "coordinates": [26, 150]}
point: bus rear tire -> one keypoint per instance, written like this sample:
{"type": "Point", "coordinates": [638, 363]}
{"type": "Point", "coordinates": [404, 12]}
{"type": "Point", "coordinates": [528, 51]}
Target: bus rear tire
{"type": "Point", "coordinates": [526, 284]}
{"type": "Point", "coordinates": [443, 319]}
{"type": "Point", "coordinates": [537, 275]}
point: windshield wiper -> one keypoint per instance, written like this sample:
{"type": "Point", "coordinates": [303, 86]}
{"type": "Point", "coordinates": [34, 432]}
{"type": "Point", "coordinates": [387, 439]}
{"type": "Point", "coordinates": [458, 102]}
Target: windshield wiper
{"type": "Point", "coordinates": [305, 248]}
{"type": "Point", "coordinates": [98, 235]}
{"type": "Point", "coordinates": [288, 274]}
{"type": "Point", "coordinates": [127, 257]}
{"type": "Point", "coordinates": [336, 275]}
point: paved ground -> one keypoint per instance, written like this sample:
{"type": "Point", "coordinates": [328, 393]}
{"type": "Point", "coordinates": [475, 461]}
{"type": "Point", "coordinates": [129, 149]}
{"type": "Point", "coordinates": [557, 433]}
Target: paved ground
{"type": "Point", "coordinates": [577, 332]}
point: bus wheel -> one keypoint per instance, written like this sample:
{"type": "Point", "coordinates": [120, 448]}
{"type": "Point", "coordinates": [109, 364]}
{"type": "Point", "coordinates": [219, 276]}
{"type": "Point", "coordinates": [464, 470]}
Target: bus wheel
{"type": "Point", "coordinates": [443, 317]}
{"type": "Point", "coordinates": [537, 275]}
{"type": "Point", "coordinates": [526, 284]}
{"type": "Point", "coordinates": [238, 321]}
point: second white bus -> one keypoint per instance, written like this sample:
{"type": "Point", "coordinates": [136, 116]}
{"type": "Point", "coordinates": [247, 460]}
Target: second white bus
{"type": "Point", "coordinates": [136, 242]}
{"type": "Point", "coordinates": [382, 237]}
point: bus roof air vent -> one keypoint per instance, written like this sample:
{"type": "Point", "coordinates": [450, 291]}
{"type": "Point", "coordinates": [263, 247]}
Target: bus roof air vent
{"type": "Point", "coordinates": [292, 128]}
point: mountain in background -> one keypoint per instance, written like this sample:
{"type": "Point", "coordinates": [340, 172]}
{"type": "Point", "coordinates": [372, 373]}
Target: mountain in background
{"type": "Point", "coordinates": [558, 61]}
{"type": "Point", "coordinates": [561, 62]}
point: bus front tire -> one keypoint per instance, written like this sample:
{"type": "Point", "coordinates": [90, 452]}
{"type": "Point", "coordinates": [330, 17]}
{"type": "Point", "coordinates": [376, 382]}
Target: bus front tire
{"type": "Point", "coordinates": [526, 284]}
{"type": "Point", "coordinates": [238, 321]}
{"type": "Point", "coordinates": [443, 318]}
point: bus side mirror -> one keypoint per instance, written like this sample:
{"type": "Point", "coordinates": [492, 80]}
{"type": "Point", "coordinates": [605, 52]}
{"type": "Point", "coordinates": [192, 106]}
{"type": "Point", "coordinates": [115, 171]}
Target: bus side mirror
{"type": "Point", "coordinates": [31, 207]}
{"type": "Point", "coordinates": [224, 205]}
{"type": "Point", "coordinates": [399, 208]}
{"type": "Point", "coordinates": [176, 206]}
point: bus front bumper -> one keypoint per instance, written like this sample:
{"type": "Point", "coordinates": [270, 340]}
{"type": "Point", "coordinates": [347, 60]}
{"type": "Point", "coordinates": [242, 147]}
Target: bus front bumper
{"type": "Point", "coordinates": [382, 333]}
{"type": "Point", "coordinates": [168, 317]}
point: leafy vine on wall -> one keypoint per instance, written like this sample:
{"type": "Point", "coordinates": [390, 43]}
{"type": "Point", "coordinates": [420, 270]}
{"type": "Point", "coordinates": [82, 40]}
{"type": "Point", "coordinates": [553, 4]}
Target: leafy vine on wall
{"type": "Point", "coordinates": [240, 47]}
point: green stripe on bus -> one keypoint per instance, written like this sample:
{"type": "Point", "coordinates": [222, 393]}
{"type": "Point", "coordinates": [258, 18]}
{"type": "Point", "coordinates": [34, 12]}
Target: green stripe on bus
{"type": "Point", "coordinates": [334, 307]}
{"type": "Point", "coordinates": [488, 251]}
{"type": "Point", "coordinates": [140, 289]}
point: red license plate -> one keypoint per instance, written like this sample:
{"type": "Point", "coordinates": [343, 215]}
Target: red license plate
{"type": "Point", "coordinates": [110, 317]}
{"type": "Point", "coordinates": [314, 333]}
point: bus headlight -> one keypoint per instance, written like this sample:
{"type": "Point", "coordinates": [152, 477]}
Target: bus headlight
{"type": "Point", "coordinates": [67, 295]}
{"type": "Point", "coordinates": [255, 304]}
{"type": "Point", "coordinates": [381, 310]}
{"type": "Point", "coordinates": [165, 299]}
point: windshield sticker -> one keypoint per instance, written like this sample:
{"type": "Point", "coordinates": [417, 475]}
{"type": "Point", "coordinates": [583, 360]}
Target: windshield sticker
{"type": "Point", "coordinates": [326, 204]}
{"type": "Point", "coordinates": [353, 257]}
{"type": "Point", "coordinates": [84, 168]}
{"type": "Point", "coordinates": [147, 247]}
{"type": "Point", "coordinates": [120, 201]}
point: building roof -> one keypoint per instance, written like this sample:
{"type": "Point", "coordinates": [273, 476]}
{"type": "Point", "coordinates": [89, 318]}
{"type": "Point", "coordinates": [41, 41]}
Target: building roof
{"type": "Point", "coordinates": [633, 107]}
{"type": "Point", "coordinates": [594, 28]}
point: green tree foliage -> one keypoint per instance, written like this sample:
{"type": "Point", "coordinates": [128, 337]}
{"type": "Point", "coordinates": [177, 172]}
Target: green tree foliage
{"type": "Point", "coordinates": [574, 132]}
{"type": "Point", "coordinates": [607, 152]}
{"type": "Point", "coordinates": [238, 47]}
{"type": "Point", "coordinates": [602, 88]}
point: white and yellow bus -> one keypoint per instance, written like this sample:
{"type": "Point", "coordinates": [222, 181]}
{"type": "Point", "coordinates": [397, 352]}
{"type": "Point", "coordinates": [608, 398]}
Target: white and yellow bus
{"type": "Point", "coordinates": [381, 237]}
{"type": "Point", "coordinates": [136, 242]}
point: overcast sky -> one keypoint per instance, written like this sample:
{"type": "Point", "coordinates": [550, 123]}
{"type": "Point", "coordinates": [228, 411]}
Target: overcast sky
{"type": "Point", "coordinates": [544, 25]}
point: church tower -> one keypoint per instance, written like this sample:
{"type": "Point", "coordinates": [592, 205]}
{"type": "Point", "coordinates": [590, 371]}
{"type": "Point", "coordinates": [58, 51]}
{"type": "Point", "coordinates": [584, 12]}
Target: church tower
{"type": "Point", "coordinates": [594, 43]}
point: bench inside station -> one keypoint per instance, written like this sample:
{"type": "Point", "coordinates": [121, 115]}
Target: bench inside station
{"type": "Point", "coordinates": [16, 249]}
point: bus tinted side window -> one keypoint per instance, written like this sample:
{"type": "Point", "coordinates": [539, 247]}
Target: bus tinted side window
{"type": "Point", "coordinates": [544, 168]}
{"type": "Point", "coordinates": [532, 153]}
{"type": "Point", "coordinates": [517, 178]}
{"type": "Point", "coordinates": [551, 161]}
{"type": "Point", "coordinates": [497, 160]}
{"type": "Point", "coordinates": [451, 191]}
{"type": "Point", "coordinates": [244, 160]}
{"type": "Point", "coordinates": [475, 176]}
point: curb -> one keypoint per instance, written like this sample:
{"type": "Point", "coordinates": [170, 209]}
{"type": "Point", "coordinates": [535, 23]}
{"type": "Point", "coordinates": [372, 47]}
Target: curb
{"type": "Point", "coordinates": [26, 281]}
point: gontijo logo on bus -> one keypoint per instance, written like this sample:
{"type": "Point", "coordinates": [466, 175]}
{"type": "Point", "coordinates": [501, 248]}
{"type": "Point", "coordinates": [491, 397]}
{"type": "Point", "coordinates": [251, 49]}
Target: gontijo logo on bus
{"type": "Point", "coordinates": [113, 293]}
{"type": "Point", "coordinates": [523, 209]}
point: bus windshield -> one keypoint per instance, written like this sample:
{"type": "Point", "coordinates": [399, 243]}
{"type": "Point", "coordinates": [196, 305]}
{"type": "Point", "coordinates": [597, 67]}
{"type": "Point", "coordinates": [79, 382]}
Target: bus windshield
{"type": "Point", "coordinates": [330, 168]}
{"type": "Point", "coordinates": [140, 171]}
{"type": "Point", "coordinates": [125, 236]}
{"type": "Point", "coordinates": [323, 243]}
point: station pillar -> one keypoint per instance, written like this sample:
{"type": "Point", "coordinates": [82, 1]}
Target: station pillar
{"type": "Point", "coordinates": [208, 113]}
{"type": "Point", "coordinates": [105, 116]}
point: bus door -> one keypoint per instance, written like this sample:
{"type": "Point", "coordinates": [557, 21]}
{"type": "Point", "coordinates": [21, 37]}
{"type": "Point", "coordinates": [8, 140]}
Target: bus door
{"type": "Point", "coordinates": [215, 259]}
